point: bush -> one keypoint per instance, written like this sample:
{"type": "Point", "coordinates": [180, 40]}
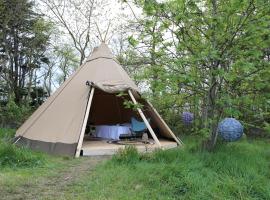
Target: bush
{"type": "Point", "coordinates": [6, 134]}
{"type": "Point", "coordinates": [13, 157]}
{"type": "Point", "coordinates": [12, 115]}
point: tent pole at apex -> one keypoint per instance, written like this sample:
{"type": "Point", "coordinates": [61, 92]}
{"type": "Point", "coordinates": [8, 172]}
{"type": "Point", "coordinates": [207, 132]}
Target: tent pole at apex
{"type": "Point", "coordinates": [87, 112]}
{"type": "Point", "coordinates": [145, 120]}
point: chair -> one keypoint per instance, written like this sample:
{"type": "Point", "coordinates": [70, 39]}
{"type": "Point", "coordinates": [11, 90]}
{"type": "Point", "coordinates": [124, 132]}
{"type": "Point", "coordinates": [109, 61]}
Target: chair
{"type": "Point", "coordinates": [137, 127]}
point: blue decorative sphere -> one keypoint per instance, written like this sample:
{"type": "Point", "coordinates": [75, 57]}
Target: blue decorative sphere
{"type": "Point", "coordinates": [187, 118]}
{"type": "Point", "coordinates": [230, 129]}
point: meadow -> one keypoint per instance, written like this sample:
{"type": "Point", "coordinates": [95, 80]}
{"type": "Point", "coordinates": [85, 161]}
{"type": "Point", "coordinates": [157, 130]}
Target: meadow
{"type": "Point", "coordinates": [239, 170]}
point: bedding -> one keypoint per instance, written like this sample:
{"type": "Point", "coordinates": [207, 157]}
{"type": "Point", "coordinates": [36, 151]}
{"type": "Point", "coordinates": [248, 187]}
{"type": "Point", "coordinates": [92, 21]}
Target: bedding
{"type": "Point", "coordinates": [112, 132]}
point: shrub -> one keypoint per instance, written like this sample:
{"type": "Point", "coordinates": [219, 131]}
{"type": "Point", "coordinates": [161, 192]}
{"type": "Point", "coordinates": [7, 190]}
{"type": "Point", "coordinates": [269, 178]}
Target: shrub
{"type": "Point", "coordinates": [13, 157]}
{"type": "Point", "coordinates": [6, 134]}
{"type": "Point", "coordinates": [12, 115]}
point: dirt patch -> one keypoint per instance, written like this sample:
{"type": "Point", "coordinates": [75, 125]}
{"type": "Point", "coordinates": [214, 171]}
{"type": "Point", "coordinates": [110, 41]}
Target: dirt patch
{"type": "Point", "coordinates": [53, 187]}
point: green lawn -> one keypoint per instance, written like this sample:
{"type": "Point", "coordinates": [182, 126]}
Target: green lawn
{"type": "Point", "coordinates": [239, 170]}
{"type": "Point", "coordinates": [23, 171]}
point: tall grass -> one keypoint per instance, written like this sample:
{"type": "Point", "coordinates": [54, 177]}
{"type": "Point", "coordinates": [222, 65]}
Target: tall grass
{"type": "Point", "coordinates": [12, 156]}
{"type": "Point", "coordinates": [128, 155]}
{"type": "Point", "coordinates": [6, 134]}
{"type": "Point", "coordinates": [238, 170]}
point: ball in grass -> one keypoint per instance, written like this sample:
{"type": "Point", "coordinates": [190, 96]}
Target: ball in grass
{"type": "Point", "coordinates": [230, 129]}
{"type": "Point", "coordinates": [187, 117]}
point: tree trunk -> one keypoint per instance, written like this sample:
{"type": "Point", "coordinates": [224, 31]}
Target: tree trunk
{"type": "Point", "coordinates": [213, 90]}
{"type": "Point", "coordinates": [30, 85]}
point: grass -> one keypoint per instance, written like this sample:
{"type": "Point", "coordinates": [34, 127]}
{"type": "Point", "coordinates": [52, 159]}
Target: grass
{"type": "Point", "coordinates": [238, 170]}
{"type": "Point", "coordinates": [16, 164]}
{"type": "Point", "coordinates": [14, 157]}
{"type": "Point", "coordinates": [6, 134]}
{"type": "Point", "coordinates": [21, 170]}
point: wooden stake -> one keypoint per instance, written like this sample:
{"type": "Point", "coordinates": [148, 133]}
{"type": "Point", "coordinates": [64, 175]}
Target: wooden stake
{"type": "Point", "coordinates": [164, 123]}
{"type": "Point", "coordinates": [17, 139]}
{"type": "Point", "coordinates": [145, 120]}
{"type": "Point", "coordinates": [86, 115]}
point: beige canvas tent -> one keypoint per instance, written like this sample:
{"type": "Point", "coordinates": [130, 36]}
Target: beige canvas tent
{"type": "Point", "coordinates": [89, 96]}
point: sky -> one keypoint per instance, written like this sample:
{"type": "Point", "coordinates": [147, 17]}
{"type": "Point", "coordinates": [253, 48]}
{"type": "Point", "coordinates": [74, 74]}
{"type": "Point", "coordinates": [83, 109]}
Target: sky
{"type": "Point", "coordinates": [112, 13]}
{"type": "Point", "coordinates": [106, 12]}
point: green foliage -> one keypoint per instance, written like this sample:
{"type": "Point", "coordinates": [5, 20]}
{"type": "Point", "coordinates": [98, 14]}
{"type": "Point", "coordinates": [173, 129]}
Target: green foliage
{"type": "Point", "coordinates": [129, 103]}
{"type": "Point", "coordinates": [215, 64]}
{"type": "Point", "coordinates": [68, 61]}
{"type": "Point", "coordinates": [233, 171]}
{"type": "Point", "coordinates": [6, 134]}
{"type": "Point", "coordinates": [14, 157]}
{"type": "Point", "coordinates": [38, 96]}
{"type": "Point", "coordinates": [24, 39]}
{"type": "Point", "coordinates": [132, 41]}
{"type": "Point", "coordinates": [267, 127]}
{"type": "Point", "coordinates": [127, 155]}
{"type": "Point", "coordinates": [13, 115]}
{"type": "Point", "coordinates": [13, 110]}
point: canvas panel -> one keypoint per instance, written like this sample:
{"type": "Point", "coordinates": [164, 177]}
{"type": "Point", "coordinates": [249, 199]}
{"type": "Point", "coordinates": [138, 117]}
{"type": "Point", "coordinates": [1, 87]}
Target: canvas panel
{"type": "Point", "coordinates": [35, 116]}
{"type": "Point", "coordinates": [164, 129]}
{"type": "Point", "coordinates": [49, 147]}
{"type": "Point", "coordinates": [101, 52]}
{"type": "Point", "coordinates": [155, 119]}
{"type": "Point", "coordinates": [60, 118]}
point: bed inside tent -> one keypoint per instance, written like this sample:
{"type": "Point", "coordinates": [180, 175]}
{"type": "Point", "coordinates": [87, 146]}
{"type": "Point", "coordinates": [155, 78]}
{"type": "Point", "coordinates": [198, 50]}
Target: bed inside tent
{"type": "Point", "coordinates": [109, 127]}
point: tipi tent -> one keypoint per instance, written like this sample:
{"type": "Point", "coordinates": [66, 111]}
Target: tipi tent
{"type": "Point", "coordinates": [88, 96]}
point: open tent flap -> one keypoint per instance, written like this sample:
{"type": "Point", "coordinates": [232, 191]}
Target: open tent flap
{"type": "Point", "coordinates": [114, 87]}
{"type": "Point", "coordinates": [109, 109]}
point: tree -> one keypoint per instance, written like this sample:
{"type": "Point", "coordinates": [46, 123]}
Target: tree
{"type": "Point", "coordinates": [76, 18]}
{"type": "Point", "coordinates": [24, 36]}
{"type": "Point", "coordinates": [67, 62]}
{"type": "Point", "coordinates": [212, 57]}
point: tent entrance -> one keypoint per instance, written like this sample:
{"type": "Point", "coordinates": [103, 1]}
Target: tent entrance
{"type": "Point", "coordinates": [109, 109]}
{"type": "Point", "coordinates": [108, 112]}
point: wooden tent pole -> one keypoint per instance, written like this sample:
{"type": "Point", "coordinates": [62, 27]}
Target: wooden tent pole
{"type": "Point", "coordinates": [79, 146]}
{"type": "Point", "coordinates": [168, 128]}
{"type": "Point", "coordinates": [145, 120]}
{"type": "Point", "coordinates": [107, 31]}
{"type": "Point", "coordinates": [100, 35]}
